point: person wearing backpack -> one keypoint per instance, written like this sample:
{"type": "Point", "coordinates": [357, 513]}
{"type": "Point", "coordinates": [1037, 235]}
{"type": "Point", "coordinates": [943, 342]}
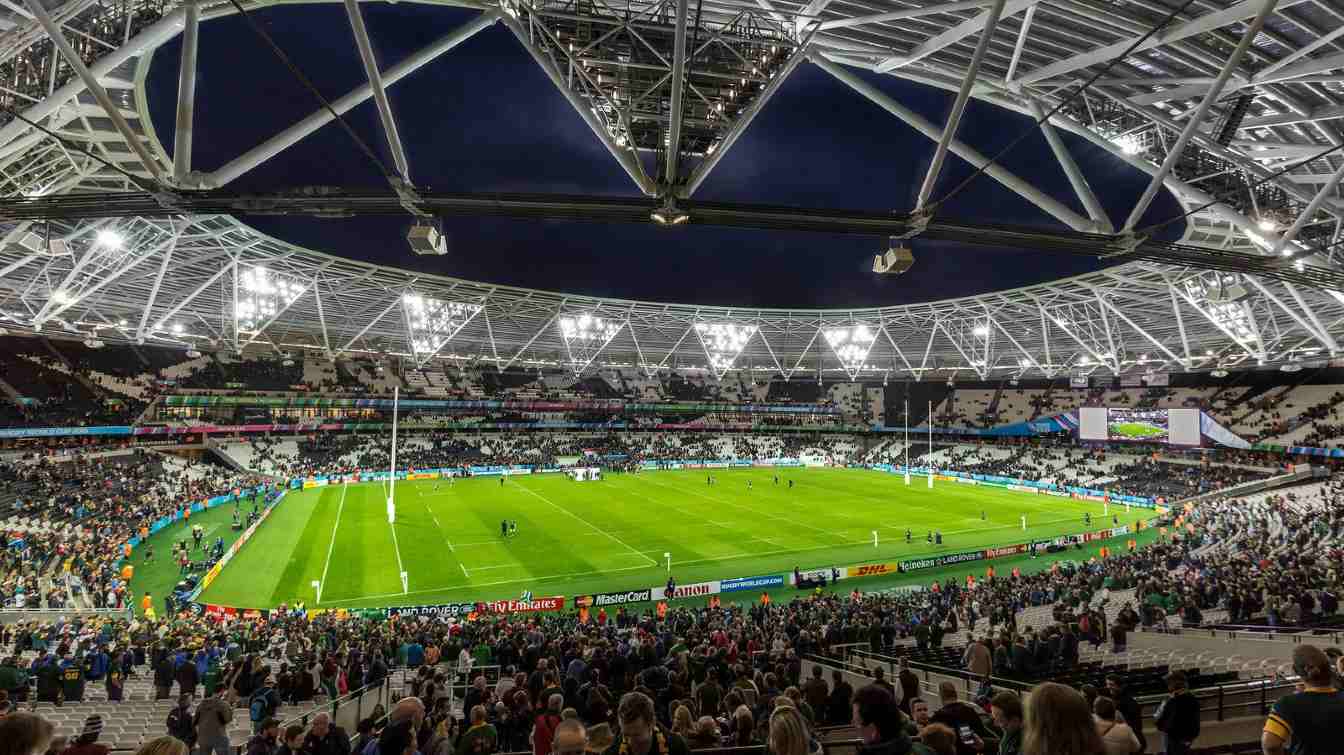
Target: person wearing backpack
{"type": "Point", "coordinates": [181, 723]}
{"type": "Point", "coordinates": [262, 704]}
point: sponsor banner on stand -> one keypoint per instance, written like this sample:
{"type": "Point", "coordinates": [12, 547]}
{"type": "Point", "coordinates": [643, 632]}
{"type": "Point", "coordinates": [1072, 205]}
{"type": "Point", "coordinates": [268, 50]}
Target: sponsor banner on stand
{"type": "Point", "coordinates": [753, 583]}
{"type": "Point", "coordinates": [603, 599]}
{"type": "Point", "coordinates": [965, 481]}
{"type": "Point", "coordinates": [688, 591]}
{"type": "Point", "coordinates": [423, 476]}
{"type": "Point", "coordinates": [1026, 489]}
{"type": "Point", "coordinates": [1007, 550]}
{"type": "Point", "coordinates": [442, 609]}
{"type": "Point", "coordinates": [933, 562]}
{"type": "Point", "coordinates": [534, 605]}
{"type": "Point", "coordinates": [872, 570]}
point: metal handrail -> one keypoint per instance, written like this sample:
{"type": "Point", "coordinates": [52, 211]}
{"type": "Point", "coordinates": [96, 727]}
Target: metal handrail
{"type": "Point", "coordinates": [1220, 692]}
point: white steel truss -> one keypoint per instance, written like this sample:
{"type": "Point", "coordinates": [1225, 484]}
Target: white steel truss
{"type": "Point", "coordinates": [189, 282]}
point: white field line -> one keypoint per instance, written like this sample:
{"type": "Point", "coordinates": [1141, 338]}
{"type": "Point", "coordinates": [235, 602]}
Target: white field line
{"type": "Point", "coordinates": [465, 573]}
{"type": "Point", "coordinates": [339, 508]}
{"type": "Point", "coordinates": [585, 521]}
{"type": "Point", "coordinates": [396, 546]}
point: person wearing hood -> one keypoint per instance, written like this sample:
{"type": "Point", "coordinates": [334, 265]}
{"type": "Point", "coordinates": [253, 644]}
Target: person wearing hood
{"type": "Point", "coordinates": [878, 720]}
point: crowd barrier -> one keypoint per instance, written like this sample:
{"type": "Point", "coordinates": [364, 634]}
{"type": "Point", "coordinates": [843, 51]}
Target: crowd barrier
{"type": "Point", "coordinates": [598, 601]}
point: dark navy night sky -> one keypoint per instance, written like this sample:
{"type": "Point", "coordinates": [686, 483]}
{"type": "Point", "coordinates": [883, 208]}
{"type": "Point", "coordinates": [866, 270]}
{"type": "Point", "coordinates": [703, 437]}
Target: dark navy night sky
{"type": "Point", "coordinates": [485, 118]}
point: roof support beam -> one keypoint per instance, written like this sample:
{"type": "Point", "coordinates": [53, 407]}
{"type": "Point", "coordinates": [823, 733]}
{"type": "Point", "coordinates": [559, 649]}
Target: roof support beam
{"type": "Point", "coordinates": [1141, 331]}
{"type": "Point", "coordinates": [951, 36]}
{"type": "Point", "coordinates": [186, 93]}
{"type": "Point", "coordinates": [396, 302]}
{"type": "Point", "coordinates": [1318, 334]}
{"type": "Point", "coordinates": [903, 14]}
{"type": "Point", "coordinates": [1022, 188]}
{"type": "Point", "coordinates": [1304, 217]}
{"type": "Point", "coordinates": [1174, 33]}
{"type": "Point", "coordinates": [1301, 52]}
{"type": "Point", "coordinates": [1305, 68]}
{"type": "Point", "coordinates": [1311, 313]}
{"type": "Point", "coordinates": [1197, 119]}
{"type": "Point", "coordinates": [959, 105]}
{"type": "Point", "coordinates": [375, 78]}
{"type": "Point", "coordinates": [1076, 178]}
{"type": "Point", "coordinates": [625, 155]}
{"type": "Point", "coordinates": [319, 118]}
{"type": "Point", "coordinates": [76, 64]}
{"type": "Point", "coordinates": [678, 91]}
{"type": "Point", "coordinates": [231, 267]}
{"type": "Point", "coordinates": [744, 120]}
{"type": "Point", "coordinates": [1022, 33]}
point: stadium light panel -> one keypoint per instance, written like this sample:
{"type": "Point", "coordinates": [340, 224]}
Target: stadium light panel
{"type": "Point", "coordinates": [851, 345]}
{"type": "Point", "coordinates": [981, 330]}
{"type": "Point", "coordinates": [585, 335]}
{"type": "Point", "coordinates": [723, 343]}
{"type": "Point", "coordinates": [262, 293]}
{"type": "Point", "coordinates": [433, 323]}
{"type": "Point", "coordinates": [109, 239]}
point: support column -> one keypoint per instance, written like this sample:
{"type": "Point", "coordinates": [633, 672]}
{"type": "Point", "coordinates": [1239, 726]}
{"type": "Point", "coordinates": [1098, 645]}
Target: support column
{"type": "Point", "coordinates": [678, 92]}
{"type": "Point", "coordinates": [186, 93]}
{"type": "Point", "coordinates": [1076, 178]}
{"type": "Point", "coordinates": [375, 78]}
{"type": "Point", "coordinates": [959, 105]}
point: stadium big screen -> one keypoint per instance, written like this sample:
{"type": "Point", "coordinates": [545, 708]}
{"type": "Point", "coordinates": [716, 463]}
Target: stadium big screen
{"type": "Point", "coordinates": [1137, 424]}
{"type": "Point", "coordinates": [1177, 427]}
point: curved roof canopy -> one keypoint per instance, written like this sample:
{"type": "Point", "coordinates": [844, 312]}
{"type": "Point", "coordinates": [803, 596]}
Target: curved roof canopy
{"type": "Point", "coordinates": [1221, 105]}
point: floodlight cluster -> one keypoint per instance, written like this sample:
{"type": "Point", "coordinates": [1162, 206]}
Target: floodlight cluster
{"type": "Point", "coordinates": [432, 322]}
{"type": "Point", "coordinates": [723, 342]}
{"type": "Point", "coordinates": [851, 345]}
{"type": "Point", "coordinates": [587, 328]}
{"type": "Point", "coordinates": [1230, 315]}
{"type": "Point", "coordinates": [261, 294]}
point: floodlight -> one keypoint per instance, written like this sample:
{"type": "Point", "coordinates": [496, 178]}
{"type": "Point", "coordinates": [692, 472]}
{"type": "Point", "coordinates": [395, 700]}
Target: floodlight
{"type": "Point", "coordinates": [93, 343]}
{"type": "Point", "coordinates": [896, 260]}
{"type": "Point", "coordinates": [1128, 144]}
{"type": "Point", "coordinates": [427, 239]}
{"type": "Point", "coordinates": [1267, 224]}
{"type": "Point", "coordinates": [723, 343]}
{"type": "Point", "coordinates": [433, 322]}
{"type": "Point", "coordinates": [851, 345]}
{"type": "Point", "coordinates": [981, 330]}
{"type": "Point", "coordinates": [1292, 366]}
{"type": "Point", "coordinates": [109, 238]}
{"type": "Point", "coordinates": [193, 354]}
{"type": "Point", "coordinates": [1219, 373]}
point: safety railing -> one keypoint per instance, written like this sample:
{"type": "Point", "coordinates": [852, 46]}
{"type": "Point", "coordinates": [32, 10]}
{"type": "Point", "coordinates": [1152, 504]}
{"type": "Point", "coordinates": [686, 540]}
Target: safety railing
{"type": "Point", "coordinates": [348, 710]}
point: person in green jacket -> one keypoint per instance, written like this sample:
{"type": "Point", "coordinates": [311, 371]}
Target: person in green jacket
{"type": "Point", "coordinates": [481, 738]}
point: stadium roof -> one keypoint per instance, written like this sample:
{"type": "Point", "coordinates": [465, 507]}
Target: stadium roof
{"type": "Point", "coordinates": [1222, 104]}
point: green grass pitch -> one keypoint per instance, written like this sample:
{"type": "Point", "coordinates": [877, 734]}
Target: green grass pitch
{"type": "Point", "coordinates": [582, 537]}
{"type": "Point", "coordinates": [1137, 430]}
